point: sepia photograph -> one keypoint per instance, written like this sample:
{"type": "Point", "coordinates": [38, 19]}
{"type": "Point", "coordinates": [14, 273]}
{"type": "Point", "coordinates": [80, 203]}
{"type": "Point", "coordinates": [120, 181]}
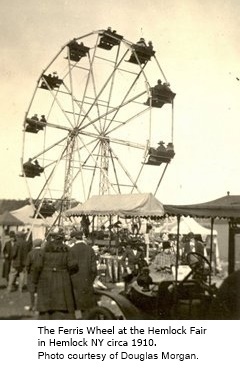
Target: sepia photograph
{"type": "Point", "coordinates": [119, 192]}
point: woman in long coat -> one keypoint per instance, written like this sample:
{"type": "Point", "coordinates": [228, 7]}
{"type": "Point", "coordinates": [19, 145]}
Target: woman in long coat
{"type": "Point", "coordinates": [52, 276]}
{"type": "Point", "coordinates": [87, 270]}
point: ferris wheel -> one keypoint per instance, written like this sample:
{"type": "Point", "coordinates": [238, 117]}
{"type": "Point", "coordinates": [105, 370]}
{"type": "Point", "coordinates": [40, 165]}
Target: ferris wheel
{"type": "Point", "coordinates": [100, 121]}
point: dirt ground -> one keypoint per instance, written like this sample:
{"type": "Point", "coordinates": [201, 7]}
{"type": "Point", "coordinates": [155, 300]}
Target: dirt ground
{"type": "Point", "coordinates": [12, 304]}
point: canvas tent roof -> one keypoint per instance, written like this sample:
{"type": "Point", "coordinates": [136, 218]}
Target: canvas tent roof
{"type": "Point", "coordinates": [25, 214]}
{"type": "Point", "coordinates": [186, 225]}
{"type": "Point", "coordinates": [144, 204]}
{"type": "Point", "coordinates": [224, 207]}
{"type": "Point", "coordinates": [8, 219]}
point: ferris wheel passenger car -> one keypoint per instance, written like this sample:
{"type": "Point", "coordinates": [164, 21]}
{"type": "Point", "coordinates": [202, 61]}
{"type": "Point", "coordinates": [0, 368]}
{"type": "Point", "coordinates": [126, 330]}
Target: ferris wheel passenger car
{"type": "Point", "coordinates": [141, 54]}
{"type": "Point", "coordinates": [31, 170]}
{"type": "Point", "coordinates": [109, 39]}
{"type": "Point", "coordinates": [161, 94]}
{"type": "Point", "coordinates": [50, 82]}
{"type": "Point", "coordinates": [77, 51]}
{"type": "Point", "coordinates": [98, 130]}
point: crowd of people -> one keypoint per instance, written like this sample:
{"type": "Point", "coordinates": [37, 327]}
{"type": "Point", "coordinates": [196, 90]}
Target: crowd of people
{"type": "Point", "coordinates": [60, 271]}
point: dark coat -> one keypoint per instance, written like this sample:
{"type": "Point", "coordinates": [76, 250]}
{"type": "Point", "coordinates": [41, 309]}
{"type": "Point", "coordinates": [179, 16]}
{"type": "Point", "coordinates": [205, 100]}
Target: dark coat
{"type": "Point", "coordinates": [52, 276]}
{"type": "Point", "coordinates": [199, 247]}
{"type": "Point", "coordinates": [7, 255]}
{"type": "Point", "coordinates": [32, 259]}
{"type": "Point", "coordinates": [87, 271]}
{"type": "Point", "coordinates": [134, 261]}
{"type": "Point", "coordinates": [19, 254]}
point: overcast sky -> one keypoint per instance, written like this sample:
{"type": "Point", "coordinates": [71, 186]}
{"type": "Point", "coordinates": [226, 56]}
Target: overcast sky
{"type": "Point", "coordinates": [197, 45]}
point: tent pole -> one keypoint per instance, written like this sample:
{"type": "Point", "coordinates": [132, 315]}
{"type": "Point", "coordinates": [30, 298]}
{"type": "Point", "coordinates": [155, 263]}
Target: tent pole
{"type": "Point", "coordinates": [175, 294]}
{"type": "Point", "coordinates": [93, 229]}
{"type": "Point", "coordinates": [177, 253]}
{"type": "Point", "coordinates": [231, 247]}
{"type": "Point", "coordinates": [211, 250]}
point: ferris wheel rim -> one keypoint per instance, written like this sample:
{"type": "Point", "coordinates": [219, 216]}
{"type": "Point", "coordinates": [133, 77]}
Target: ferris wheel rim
{"type": "Point", "coordinates": [81, 130]}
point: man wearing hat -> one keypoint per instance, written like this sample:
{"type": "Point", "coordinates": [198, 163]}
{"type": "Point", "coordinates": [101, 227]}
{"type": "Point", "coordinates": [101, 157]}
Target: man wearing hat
{"type": "Point", "coordinates": [83, 280]}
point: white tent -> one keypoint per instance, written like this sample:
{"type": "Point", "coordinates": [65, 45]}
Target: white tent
{"type": "Point", "coordinates": [38, 226]}
{"type": "Point", "coordinates": [187, 225]}
{"type": "Point", "coordinates": [123, 205]}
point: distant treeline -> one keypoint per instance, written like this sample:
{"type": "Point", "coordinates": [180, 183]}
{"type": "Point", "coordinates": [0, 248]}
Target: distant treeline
{"type": "Point", "coordinates": [10, 205]}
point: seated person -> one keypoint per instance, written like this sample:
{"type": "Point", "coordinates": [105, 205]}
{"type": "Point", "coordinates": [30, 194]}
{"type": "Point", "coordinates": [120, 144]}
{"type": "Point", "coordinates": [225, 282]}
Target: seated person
{"type": "Point", "coordinates": [144, 52]}
{"type": "Point", "coordinates": [56, 82]}
{"type": "Point", "coordinates": [133, 260]}
{"type": "Point", "coordinates": [101, 234]}
{"type": "Point", "coordinates": [77, 51]}
{"type": "Point", "coordinates": [32, 124]}
{"type": "Point", "coordinates": [107, 41]}
{"type": "Point", "coordinates": [163, 91]}
{"type": "Point", "coordinates": [43, 118]}
{"type": "Point", "coordinates": [51, 81]}
{"type": "Point", "coordinates": [159, 86]}
{"type": "Point", "coordinates": [144, 279]}
{"type": "Point", "coordinates": [170, 147]}
{"type": "Point", "coordinates": [31, 169]}
{"type": "Point", "coordinates": [34, 117]}
{"type": "Point", "coordinates": [165, 259]}
{"type": "Point", "coordinates": [141, 42]}
{"type": "Point", "coordinates": [47, 209]}
{"type": "Point", "coordinates": [161, 147]}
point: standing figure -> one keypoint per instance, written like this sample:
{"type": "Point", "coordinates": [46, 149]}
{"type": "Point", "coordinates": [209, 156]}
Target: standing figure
{"type": "Point", "coordinates": [188, 245]}
{"type": "Point", "coordinates": [85, 223]}
{"type": "Point", "coordinates": [199, 245]}
{"type": "Point", "coordinates": [83, 280]}
{"type": "Point", "coordinates": [52, 276]}
{"type": "Point", "coordinates": [133, 260]}
{"type": "Point", "coordinates": [136, 225]}
{"type": "Point", "coordinates": [19, 254]}
{"type": "Point", "coordinates": [7, 255]}
{"type": "Point", "coordinates": [31, 260]}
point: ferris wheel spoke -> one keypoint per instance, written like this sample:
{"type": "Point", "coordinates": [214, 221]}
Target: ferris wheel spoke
{"type": "Point", "coordinates": [114, 109]}
{"type": "Point", "coordinates": [93, 174]}
{"type": "Point", "coordinates": [133, 184]}
{"type": "Point", "coordinates": [115, 171]}
{"type": "Point", "coordinates": [100, 116]}
{"type": "Point", "coordinates": [112, 86]}
{"type": "Point", "coordinates": [125, 97]}
{"type": "Point", "coordinates": [129, 120]}
{"type": "Point", "coordinates": [95, 93]}
{"type": "Point", "coordinates": [47, 184]}
{"type": "Point", "coordinates": [71, 87]}
{"type": "Point", "coordinates": [101, 91]}
{"type": "Point", "coordinates": [75, 100]}
{"type": "Point", "coordinates": [49, 148]}
{"type": "Point", "coordinates": [102, 171]}
{"type": "Point", "coordinates": [80, 112]}
{"type": "Point", "coordinates": [55, 99]}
